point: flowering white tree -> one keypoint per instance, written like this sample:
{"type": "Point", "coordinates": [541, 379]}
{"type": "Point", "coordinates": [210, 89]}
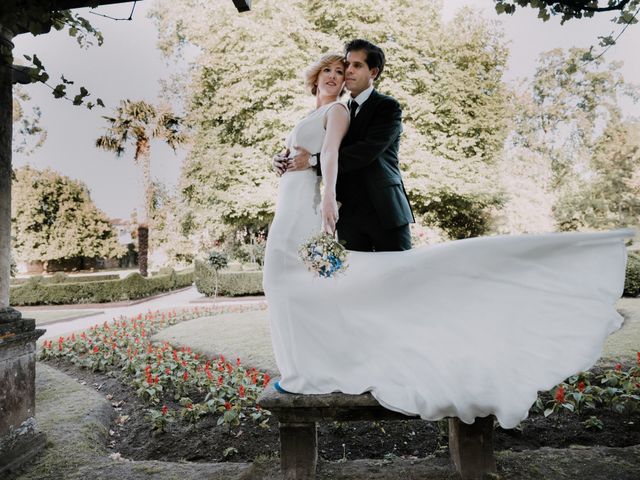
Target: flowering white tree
{"type": "Point", "coordinates": [246, 93]}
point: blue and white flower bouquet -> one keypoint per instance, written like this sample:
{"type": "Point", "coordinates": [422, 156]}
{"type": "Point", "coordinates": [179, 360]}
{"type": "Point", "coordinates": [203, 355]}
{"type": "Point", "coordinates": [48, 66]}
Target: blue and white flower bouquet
{"type": "Point", "coordinates": [324, 255]}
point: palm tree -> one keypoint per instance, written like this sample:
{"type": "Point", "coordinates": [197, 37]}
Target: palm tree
{"type": "Point", "coordinates": [141, 122]}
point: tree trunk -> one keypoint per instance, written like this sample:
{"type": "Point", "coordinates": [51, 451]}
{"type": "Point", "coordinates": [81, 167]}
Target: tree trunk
{"type": "Point", "coordinates": [143, 230]}
{"type": "Point", "coordinates": [148, 184]}
{"type": "Point", "coordinates": [6, 129]}
{"type": "Point", "coordinates": [143, 249]}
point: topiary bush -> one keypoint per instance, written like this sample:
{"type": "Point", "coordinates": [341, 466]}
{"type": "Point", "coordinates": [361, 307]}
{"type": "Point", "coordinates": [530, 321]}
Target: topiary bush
{"type": "Point", "coordinates": [632, 276]}
{"type": "Point", "coordinates": [218, 260]}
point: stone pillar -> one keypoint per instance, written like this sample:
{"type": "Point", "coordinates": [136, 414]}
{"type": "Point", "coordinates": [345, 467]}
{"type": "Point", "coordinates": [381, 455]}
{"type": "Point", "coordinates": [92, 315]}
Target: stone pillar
{"type": "Point", "coordinates": [19, 439]}
{"type": "Point", "coordinates": [6, 130]}
{"type": "Point", "coordinates": [471, 447]}
{"type": "Point", "coordinates": [298, 450]}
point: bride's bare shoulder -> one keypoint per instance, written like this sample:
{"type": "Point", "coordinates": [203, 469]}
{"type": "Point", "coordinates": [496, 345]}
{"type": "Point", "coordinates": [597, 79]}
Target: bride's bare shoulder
{"type": "Point", "coordinates": [337, 108]}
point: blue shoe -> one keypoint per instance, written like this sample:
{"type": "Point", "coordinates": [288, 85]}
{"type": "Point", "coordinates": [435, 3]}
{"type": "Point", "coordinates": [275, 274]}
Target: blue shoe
{"type": "Point", "coordinates": [279, 388]}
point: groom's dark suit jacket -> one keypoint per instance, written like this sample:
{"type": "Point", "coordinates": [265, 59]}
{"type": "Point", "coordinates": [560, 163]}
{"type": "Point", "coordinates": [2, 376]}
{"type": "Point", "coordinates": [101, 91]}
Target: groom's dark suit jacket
{"type": "Point", "coordinates": [368, 174]}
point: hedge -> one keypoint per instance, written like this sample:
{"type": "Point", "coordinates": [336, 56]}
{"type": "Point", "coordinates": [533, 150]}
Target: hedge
{"type": "Point", "coordinates": [237, 283]}
{"type": "Point", "coordinates": [62, 277]}
{"type": "Point", "coordinates": [632, 277]}
{"type": "Point", "coordinates": [38, 292]}
{"type": "Point", "coordinates": [231, 283]}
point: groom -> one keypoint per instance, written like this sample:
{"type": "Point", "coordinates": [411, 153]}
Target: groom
{"type": "Point", "coordinates": [375, 213]}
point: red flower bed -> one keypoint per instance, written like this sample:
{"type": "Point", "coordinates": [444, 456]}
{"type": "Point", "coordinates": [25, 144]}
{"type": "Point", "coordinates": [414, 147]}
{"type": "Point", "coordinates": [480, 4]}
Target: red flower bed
{"type": "Point", "coordinates": [159, 371]}
{"type": "Point", "coordinates": [214, 386]}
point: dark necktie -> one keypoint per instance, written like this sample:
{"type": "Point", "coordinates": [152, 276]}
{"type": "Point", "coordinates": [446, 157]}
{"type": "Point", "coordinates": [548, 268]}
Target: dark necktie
{"type": "Point", "coordinates": [352, 108]}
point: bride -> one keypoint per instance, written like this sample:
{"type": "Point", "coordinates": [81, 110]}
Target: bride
{"type": "Point", "coordinates": [464, 329]}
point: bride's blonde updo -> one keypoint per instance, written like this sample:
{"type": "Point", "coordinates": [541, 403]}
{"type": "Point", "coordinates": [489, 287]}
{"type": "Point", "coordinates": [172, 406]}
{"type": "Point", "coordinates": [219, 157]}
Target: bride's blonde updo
{"type": "Point", "coordinates": [311, 74]}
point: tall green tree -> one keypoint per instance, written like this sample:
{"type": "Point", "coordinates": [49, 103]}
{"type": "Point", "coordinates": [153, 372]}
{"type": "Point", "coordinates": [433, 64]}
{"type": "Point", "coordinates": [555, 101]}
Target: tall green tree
{"type": "Point", "coordinates": [559, 119]}
{"type": "Point", "coordinates": [610, 196]}
{"type": "Point", "coordinates": [138, 123]}
{"type": "Point", "coordinates": [246, 93]}
{"type": "Point", "coordinates": [169, 244]}
{"type": "Point", "coordinates": [526, 178]}
{"type": "Point", "coordinates": [448, 78]}
{"type": "Point", "coordinates": [54, 218]}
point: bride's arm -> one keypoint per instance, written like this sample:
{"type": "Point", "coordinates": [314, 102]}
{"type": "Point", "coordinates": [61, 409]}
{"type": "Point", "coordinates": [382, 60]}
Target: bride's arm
{"type": "Point", "coordinates": [337, 124]}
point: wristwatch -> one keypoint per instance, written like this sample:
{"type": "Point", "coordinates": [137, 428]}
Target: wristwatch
{"type": "Point", "coordinates": [313, 159]}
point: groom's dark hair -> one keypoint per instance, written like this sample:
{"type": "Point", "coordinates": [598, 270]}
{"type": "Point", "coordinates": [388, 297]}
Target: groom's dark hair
{"type": "Point", "coordinates": [374, 54]}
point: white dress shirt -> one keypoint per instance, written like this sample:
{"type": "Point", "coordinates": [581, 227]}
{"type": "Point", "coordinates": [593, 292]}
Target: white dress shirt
{"type": "Point", "coordinates": [363, 97]}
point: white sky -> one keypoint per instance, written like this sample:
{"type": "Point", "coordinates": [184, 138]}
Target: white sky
{"type": "Point", "coordinates": [128, 65]}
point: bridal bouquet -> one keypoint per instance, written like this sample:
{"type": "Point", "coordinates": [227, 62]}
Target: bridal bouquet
{"type": "Point", "coordinates": [323, 255]}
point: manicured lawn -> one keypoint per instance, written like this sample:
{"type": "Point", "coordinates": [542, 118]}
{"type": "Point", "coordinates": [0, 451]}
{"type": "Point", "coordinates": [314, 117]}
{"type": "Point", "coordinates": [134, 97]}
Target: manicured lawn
{"type": "Point", "coordinates": [625, 342]}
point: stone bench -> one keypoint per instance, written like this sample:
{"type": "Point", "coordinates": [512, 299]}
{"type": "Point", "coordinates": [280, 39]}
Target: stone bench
{"type": "Point", "coordinates": [470, 446]}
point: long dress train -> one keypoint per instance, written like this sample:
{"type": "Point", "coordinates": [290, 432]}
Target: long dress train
{"type": "Point", "coordinates": [465, 328]}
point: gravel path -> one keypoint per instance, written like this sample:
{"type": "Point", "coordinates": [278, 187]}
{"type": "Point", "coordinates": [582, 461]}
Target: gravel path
{"type": "Point", "coordinates": [187, 298]}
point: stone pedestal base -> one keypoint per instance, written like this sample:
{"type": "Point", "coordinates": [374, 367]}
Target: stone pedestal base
{"type": "Point", "coordinates": [19, 438]}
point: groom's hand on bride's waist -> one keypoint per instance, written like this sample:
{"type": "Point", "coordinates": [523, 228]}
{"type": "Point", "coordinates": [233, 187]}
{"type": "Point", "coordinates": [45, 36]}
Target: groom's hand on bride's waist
{"type": "Point", "coordinates": [300, 161]}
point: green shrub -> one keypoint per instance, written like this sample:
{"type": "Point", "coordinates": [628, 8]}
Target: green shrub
{"type": "Point", "coordinates": [236, 284]}
{"type": "Point", "coordinates": [632, 277]}
{"type": "Point", "coordinates": [59, 277]}
{"type": "Point", "coordinates": [35, 280]}
{"type": "Point", "coordinates": [68, 278]}
{"type": "Point", "coordinates": [205, 278]}
{"type": "Point", "coordinates": [185, 278]}
{"type": "Point", "coordinates": [233, 284]}
{"type": "Point", "coordinates": [234, 267]}
{"type": "Point", "coordinates": [38, 292]}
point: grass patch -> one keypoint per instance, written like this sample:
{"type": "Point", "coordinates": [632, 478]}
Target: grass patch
{"type": "Point", "coordinates": [625, 342]}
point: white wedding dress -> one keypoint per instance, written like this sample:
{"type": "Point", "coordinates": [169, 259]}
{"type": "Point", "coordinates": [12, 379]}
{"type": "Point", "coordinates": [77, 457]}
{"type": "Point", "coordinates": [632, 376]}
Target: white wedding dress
{"type": "Point", "coordinates": [462, 329]}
